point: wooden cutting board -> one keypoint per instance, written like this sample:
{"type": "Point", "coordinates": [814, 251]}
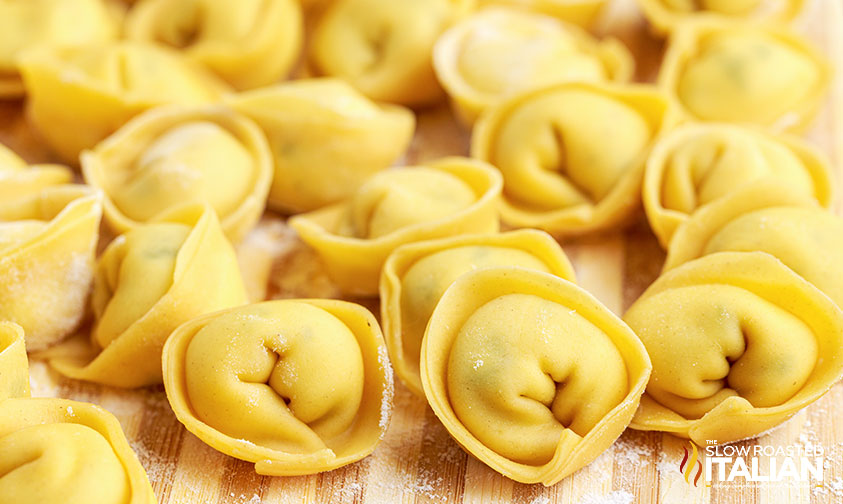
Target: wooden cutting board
{"type": "Point", "coordinates": [418, 461]}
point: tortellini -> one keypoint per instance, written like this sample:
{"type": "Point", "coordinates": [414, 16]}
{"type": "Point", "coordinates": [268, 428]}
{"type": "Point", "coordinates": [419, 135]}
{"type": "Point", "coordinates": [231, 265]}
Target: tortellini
{"type": "Point", "coordinates": [295, 386]}
{"type": "Point", "coordinates": [499, 52]}
{"type": "Point", "coordinates": [739, 343]}
{"type": "Point", "coordinates": [744, 73]}
{"type": "Point", "coordinates": [326, 139]}
{"type": "Point", "coordinates": [148, 281]}
{"type": "Point", "coordinates": [447, 197]}
{"type": "Point", "coordinates": [14, 366]}
{"type": "Point", "coordinates": [416, 275]}
{"type": "Point", "coordinates": [383, 47]}
{"type": "Point", "coordinates": [56, 450]}
{"type": "Point", "coordinates": [47, 243]}
{"type": "Point", "coordinates": [771, 218]}
{"type": "Point", "coordinates": [79, 96]}
{"type": "Point", "coordinates": [559, 172]}
{"type": "Point", "coordinates": [581, 12]}
{"type": "Point", "coordinates": [530, 373]}
{"type": "Point", "coordinates": [47, 23]}
{"type": "Point", "coordinates": [172, 156]}
{"type": "Point", "coordinates": [696, 164]}
{"type": "Point", "coordinates": [665, 15]}
{"type": "Point", "coordinates": [248, 43]}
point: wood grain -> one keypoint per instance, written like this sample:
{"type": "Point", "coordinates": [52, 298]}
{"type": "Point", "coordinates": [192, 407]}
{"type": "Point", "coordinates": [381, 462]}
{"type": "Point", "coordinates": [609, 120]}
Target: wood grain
{"type": "Point", "coordinates": [417, 461]}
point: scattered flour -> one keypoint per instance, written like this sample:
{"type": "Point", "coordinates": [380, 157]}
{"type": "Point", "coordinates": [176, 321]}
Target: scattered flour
{"type": "Point", "coordinates": [387, 400]}
{"type": "Point", "coordinates": [667, 464]}
{"type": "Point", "coordinates": [42, 380]}
{"type": "Point", "coordinates": [616, 497]}
{"type": "Point", "coordinates": [245, 499]}
{"type": "Point", "coordinates": [629, 452]}
{"type": "Point", "coordinates": [350, 491]}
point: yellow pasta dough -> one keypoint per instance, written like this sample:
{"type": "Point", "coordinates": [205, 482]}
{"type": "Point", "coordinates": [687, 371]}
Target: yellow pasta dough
{"type": "Point", "coordinates": [19, 182]}
{"type": "Point", "coordinates": [312, 5]}
{"type": "Point", "coordinates": [248, 43]}
{"type": "Point", "coordinates": [559, 172]}
{"type": "Point", "coordinates": [172, 156]}
{"type": "Point", "coordinates": [697, 164]}
{"type": "Point", "coordinates": [47, 243]}
{"type": "Point", "coordinates": [79, 96]}
{"type": "Point", "coordinates": [326, 139]}
{"type": "Point", "coordinates": [14, 366]}
{"type": "Point", "coordinates": [530, 373]}
{"type": "Point", "coordinates": [45, 23]}
{"type": "Point", "coordinates": [581, 12]}
{"type": "Point", "coordinates": [383, 47]}
{"type": "Point", "coordinates": [739, 343]}
{"type": "Point", "coordinates": [32, 177]}
{"type": "Point", "coordinates": [772, 218]}
{"type": "Point", "coordinates": [9, 160]}
{"type": "Point", "coordinates": [295, 386]}
{"type": "Point", "coordinates": [498, 52]}
{"type": "Point", "coordinates": [29, 197]}
{"type": "Point", "coordinates": [744, 73]}
{"type": "Point", "coordinates": [447, 197]}
{"type": "Point", "coordinates": [60, 451]}
{"type": "Point", "coordinates": [665, 15]}
{"type": "Point", "coordinates": [149, 281]}
{"type": "Point", "coordinates": [416, 275]}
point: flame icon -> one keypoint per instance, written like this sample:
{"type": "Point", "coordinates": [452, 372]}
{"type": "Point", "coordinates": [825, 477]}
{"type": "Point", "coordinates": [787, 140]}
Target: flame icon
{"type": "Point", "coordinates": [686, 467]}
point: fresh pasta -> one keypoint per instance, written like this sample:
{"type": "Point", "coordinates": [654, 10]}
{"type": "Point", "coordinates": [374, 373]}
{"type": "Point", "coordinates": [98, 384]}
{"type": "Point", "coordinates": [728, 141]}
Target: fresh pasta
{"type": "Point", "coordinates": [383, 47]}
{"type": "Point", "coordinates": [772, 218]}
{"type": "Point", "coordinates": [173, 156]}
{"type": "Point", "coordinates": [56, 450]}
{"type": "Point", "coordinates": [581, 12]}
{"type": "Point", "coordinates": [326, 139]}
{"type": "Point", "coordinates": [44, 23]}
{"type": "Point", "coordinates": [530, 373]}
{"type": "Point", "coordinates": [550, 144]}
{"type": "Point", "coordinates": [744, 73]}
{"type": "Point", "coordinates": [14, 366]}
{"type": "Point", "coordinates": [19, 182]}
{"type": "Point", "coordinates": [416, 275]}
{"type": "Point", "coordinates": [696, 164]}
{"type": "Point", "coordinates": [149, 281]}
{"type": "Point", "coordinates": [294, 386]}
{"type": "Point", "coordinates": [47, 243]}
{"type": "Point", "coordinates": [739, 343]}
{"type": "Point", "coordinates": [78, 96]}
{"type": "Point", "coordinates": [447, 197]}
{"type": "Point", "coordinates": [666, 15]}
{"type": "Point", "coordinates": [498, 52]}
{"type": "Point", "coordinates": [247, 43]}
